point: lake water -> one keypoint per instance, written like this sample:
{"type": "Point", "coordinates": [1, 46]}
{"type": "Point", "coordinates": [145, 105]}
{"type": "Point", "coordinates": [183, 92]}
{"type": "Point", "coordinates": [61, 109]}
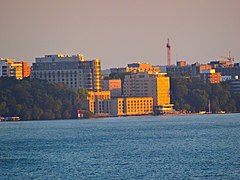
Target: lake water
{"type": "Point", "coordinates": [153, 147]}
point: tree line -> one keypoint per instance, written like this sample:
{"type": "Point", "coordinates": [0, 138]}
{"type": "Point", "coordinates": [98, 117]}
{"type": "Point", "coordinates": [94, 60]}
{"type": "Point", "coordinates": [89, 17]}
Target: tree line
{"type": "Point", "coordinates": [193, 94]}
{"type": "Point", "coordinates": [34, 99]}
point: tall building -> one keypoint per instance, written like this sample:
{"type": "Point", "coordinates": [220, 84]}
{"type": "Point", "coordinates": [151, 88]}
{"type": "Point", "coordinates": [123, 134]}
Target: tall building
{"type": "Point", "coordinates": [73, 71]}
{"type": "Point", "coordinates": [155, 85]}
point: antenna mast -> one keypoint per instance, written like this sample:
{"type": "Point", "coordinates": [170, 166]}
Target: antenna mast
{"type": "Point", "coordinates": [168, 53]}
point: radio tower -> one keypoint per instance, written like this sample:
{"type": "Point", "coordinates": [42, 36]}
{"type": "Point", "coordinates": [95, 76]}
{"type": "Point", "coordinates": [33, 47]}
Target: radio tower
{"type": "Point", "coordinates": [168, 53]}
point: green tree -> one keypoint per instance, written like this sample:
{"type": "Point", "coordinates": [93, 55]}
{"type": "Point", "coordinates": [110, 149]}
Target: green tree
{"type": "Point", "coordinates": [194, 93]}
{"type": "Point", "coordinates": [3, 108]}
{"type": "Point", "coordinates": [35, 99]}
{"type": "Point", "coordinates": [80, 95]}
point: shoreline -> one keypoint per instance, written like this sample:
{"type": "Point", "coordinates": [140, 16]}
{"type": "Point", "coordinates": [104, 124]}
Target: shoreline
{"type": "Point", "coordinates": [96, 117]}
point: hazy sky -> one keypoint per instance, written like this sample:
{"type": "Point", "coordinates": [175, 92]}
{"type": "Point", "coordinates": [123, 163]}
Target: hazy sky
{"type": "Point", "coordinates": [120, 31]}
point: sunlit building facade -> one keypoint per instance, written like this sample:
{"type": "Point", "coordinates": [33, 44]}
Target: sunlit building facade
{"type": "Point", "coordinates": [98, 102]}
{"type": "Point", "coordinates": [26, 69]}
{"type": "Point", "coordinates": [148, 85]}
{"type": "Point", "coordinates": [129, 106]}
{"type": "Point", "coordinates": [16, 70]}
{"type": "Point", "coordinates": [73, 71]}
{"type": "Point", "coordinates": [10, 68]}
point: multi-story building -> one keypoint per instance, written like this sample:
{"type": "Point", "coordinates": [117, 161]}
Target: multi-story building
{"type": "Point", "coordinates": [9, 68]}
{"type": "Point", "coordinates": [211, 76]}
{"type": "Point", "coordinates": [136, 67]}
{"type": "Point", "coordinates": [155, 85]}
{"type": "Point", "coordinates": [16, 70]}
{"type": "Point", "coordinates": [128, 106]}
{"type": "Point", "coordinates": [221, 63]}
{"type": "Point", "coordinates": [73, 71]}
{"type": "Point", "coordinates": [4, 67]}
{"type": "Point", "coordinates": [235, 85]}
{"type": "Point", "coordinates": [225, 67]}
{"type": "Point", "coordinates": [198, 68]}
{"type": "Point", "coordinates": [98, 102]}
{"type": "Point", "coordinates": [183, 69]}
{"type": "Point", "coordinates": [232, 71]}
{"type": "Point", "coordinates": [112, 85]}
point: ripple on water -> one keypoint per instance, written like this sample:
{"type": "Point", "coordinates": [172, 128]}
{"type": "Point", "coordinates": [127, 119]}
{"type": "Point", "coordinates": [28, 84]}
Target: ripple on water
{"type": "Point", "coordinates": [181, 147]}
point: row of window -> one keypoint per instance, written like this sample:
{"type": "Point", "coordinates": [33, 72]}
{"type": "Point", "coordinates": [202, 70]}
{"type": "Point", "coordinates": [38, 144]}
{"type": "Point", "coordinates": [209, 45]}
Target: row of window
{"type": "Point", "coordinates": [139, 111]}
{"type": "Point", "coordinates": [137, 108]}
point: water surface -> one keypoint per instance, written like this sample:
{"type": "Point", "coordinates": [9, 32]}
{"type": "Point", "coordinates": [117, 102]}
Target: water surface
{"type": "Point", "coordinates": [153, 147]}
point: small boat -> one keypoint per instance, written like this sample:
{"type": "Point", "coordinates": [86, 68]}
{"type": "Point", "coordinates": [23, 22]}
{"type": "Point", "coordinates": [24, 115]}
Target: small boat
{"type": "Point", "coordinates": [202, 112]}
{"type": "Point", "coordinates": [13, 118]}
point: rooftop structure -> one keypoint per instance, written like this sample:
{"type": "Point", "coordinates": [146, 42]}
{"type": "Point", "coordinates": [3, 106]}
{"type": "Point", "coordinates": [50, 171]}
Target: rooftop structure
{"type": "Point", "coordinates": [181, 63]}
{"type": "Point", "coordinates": [136, 67]}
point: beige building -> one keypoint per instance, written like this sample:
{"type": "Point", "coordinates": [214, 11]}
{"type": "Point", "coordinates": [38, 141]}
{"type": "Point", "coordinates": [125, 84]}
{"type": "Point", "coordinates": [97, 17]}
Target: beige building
{"type": "Point", "coordinates": [17, 70]}
{"type": "Point", "coordinates": [73, 71]}
{"type": "Point", "coordinates": [112, 85]}
{"type": "Point", "coordinates": [156, 85]}
{"type": "Point", "coordinates": [98, 102]}
{"type": "Point", "coordinates": [131, 106]}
